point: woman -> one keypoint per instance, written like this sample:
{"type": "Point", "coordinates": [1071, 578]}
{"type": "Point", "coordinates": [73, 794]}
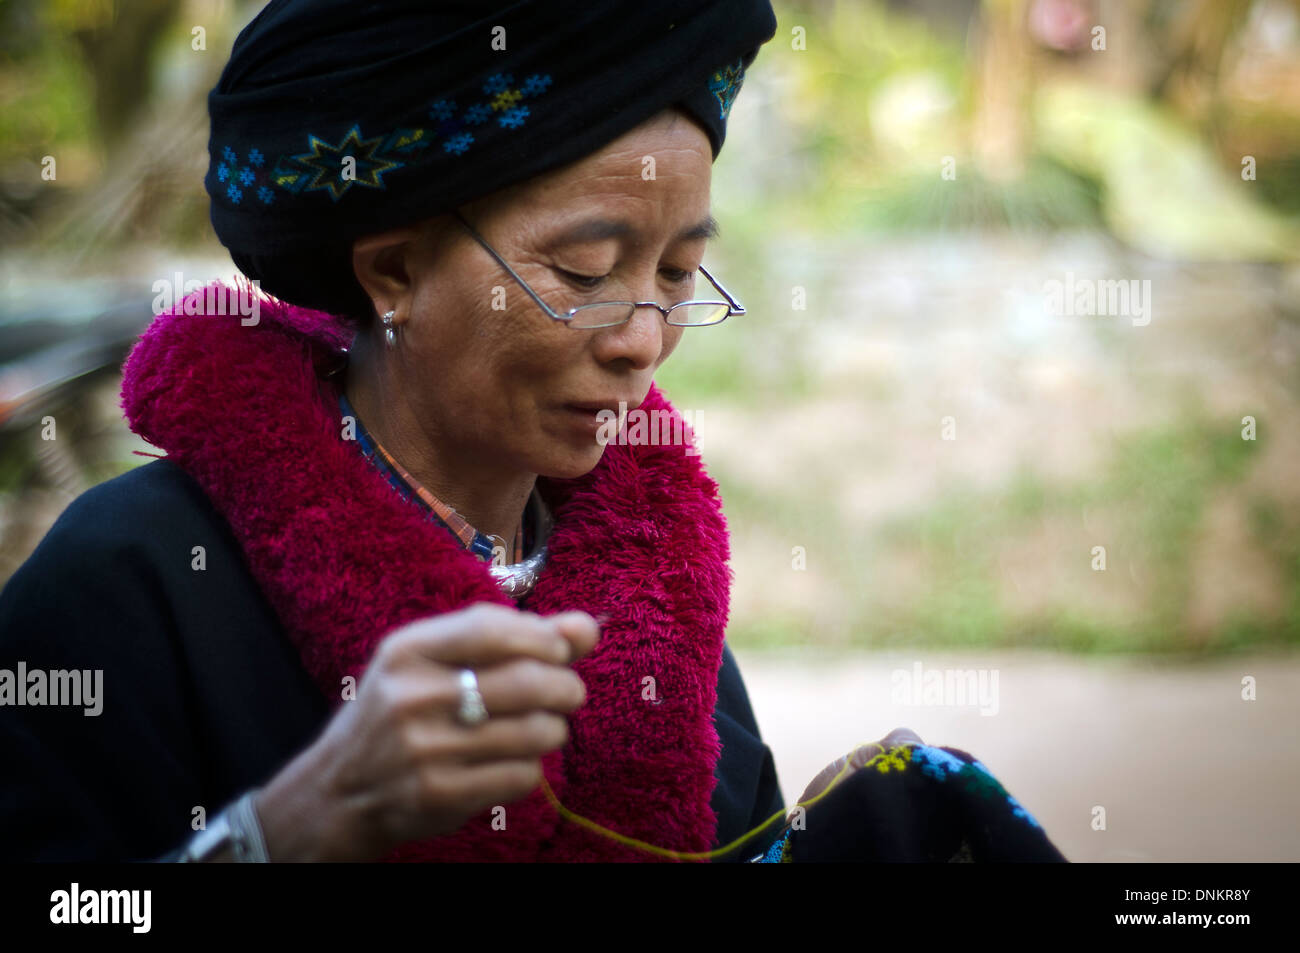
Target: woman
{"type": "Point", "coordinates": [390, 594]}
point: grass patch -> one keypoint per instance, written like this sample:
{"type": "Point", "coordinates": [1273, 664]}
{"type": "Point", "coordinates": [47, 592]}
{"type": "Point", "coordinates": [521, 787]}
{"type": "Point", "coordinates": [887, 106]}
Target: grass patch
{"type": "Point", "coordinates": [1155, 488]}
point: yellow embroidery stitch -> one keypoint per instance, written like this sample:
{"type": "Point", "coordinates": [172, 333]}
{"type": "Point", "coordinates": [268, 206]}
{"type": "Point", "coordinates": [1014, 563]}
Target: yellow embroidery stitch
{"type": "Point", "coordinates": [884, 761]}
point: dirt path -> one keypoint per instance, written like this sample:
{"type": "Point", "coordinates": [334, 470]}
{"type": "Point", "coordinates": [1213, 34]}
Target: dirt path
{"type": "Point", "coordinates": [1185, 769]}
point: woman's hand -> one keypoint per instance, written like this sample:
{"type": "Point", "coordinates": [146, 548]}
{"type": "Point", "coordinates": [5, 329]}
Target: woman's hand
{"type": "Point", "coordinates": [396, 765]}
{"type": "Point", "coordinates": [860, 756]}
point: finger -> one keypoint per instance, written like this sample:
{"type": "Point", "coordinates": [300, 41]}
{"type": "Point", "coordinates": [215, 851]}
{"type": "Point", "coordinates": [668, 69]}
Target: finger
{"type": "Point", "coordinates": [523, 685]}
{"type": "Point", "coordinates": [579, 629]}
{"type": "Point", "coordinates": [485, 635]}
{"type": "Point", "coordinates": [479, 786]}
{"type": "Point", "coordinates": [497, 739]}
{"type": "Point", "coordinates": [822, 779]}
{"type": "Point", "coordinates": [517, 687]}
{"type": "Point", "coordinates": [864, 753]}
{"type": "Point", "coordinates": [901, 736]}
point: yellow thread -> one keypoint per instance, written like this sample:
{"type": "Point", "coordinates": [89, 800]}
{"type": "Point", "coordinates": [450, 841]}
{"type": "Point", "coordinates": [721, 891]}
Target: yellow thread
{"type": "Point", "coordinates": [890, 757]}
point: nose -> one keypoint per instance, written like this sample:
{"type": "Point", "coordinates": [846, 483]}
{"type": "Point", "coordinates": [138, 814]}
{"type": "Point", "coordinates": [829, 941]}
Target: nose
{"type": "Point", "coordinates": [639, 341]}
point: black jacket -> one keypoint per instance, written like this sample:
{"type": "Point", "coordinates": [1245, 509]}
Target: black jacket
{"type": "Point", "coordinates": [204, 697]}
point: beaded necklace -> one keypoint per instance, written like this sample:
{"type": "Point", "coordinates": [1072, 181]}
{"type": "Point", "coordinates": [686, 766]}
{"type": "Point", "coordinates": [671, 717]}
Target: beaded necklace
{"type": "Point", "coordinates": [515, 579]}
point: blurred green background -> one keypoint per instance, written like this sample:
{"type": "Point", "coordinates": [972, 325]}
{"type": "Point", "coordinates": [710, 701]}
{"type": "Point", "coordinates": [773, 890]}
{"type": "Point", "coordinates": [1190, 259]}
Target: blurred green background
{"type": "Point", "coordinates": [900, 182]}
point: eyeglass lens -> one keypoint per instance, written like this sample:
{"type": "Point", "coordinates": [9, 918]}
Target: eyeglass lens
{"type": "Point", "coordinates": [683, 315]}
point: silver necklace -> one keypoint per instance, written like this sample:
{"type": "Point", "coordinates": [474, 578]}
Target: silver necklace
{"type": "Point", "coordinates": [518, 579]}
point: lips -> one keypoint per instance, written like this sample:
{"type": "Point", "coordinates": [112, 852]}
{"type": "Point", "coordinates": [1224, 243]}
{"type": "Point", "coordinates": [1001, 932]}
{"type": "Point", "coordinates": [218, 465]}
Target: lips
{"type": "Point", "coordinates": [589, 418]}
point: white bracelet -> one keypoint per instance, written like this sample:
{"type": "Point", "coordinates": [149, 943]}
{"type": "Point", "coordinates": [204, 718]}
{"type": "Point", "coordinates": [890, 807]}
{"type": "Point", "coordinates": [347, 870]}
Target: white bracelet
{"type": "Point", "coordinates": [237, 829]}
{"type": "Point", "coordinates": [250, 845]}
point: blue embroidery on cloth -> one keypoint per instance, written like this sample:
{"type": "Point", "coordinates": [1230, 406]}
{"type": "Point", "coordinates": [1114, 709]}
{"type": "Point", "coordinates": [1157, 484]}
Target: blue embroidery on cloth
{"type": "Point", "coordinates": [725, 84]}
{"type": "Point", "coordinates": [773, 854]}
{"type": "Point", "coordinates": [239, 178]}
{"type": "Point", "coordinates": [940, 765]}
{"type": "Point", "coordinates": [935, 762]}
{"type": "Point", "coordinates": [334, 167]}
{"type": "Point", "coordinates": [1017, 809]}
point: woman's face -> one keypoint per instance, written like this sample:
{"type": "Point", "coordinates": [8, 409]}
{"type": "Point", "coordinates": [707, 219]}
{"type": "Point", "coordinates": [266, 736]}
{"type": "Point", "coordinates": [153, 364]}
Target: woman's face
{"type": "Point", "coordinates": [489, 375]}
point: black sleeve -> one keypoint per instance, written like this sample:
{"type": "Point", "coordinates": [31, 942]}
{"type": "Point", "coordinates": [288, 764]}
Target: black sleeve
{"type": "Point", "coordinates": [79, 785]}
{"type": "Point", "coordinates": [203, 695]}
{"type": "Point", "coordinates": [748, 792]}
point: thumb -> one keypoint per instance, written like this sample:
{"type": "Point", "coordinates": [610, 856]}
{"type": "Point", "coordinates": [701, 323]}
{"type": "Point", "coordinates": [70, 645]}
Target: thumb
{"type": "Point", "coordinates": [579, 629]}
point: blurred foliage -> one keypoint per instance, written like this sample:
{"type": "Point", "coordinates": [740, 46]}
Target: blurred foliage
{"type": "Point", "coordinates": [1049, 196]}
{"type": "Point", "coordinates": [75, 72]}
{"type": "Point", "coordinates": [45, 90]}
{"type": "Point", "coordinates": [114, 91]}
{"type": "Point", "coordinates": [863, 119]}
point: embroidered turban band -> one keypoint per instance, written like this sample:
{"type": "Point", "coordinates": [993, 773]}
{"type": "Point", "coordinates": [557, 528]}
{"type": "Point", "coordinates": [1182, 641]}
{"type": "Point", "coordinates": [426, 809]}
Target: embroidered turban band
{"type": "Point", "coordinates": [338, 118]}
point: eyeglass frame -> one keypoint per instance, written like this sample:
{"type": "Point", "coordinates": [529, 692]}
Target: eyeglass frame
{"type": "Point", "coordinates": [734, 307]}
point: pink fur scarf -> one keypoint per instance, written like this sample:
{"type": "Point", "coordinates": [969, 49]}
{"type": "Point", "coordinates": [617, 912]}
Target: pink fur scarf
{"type": "Point", "coordinates": [343, 561]}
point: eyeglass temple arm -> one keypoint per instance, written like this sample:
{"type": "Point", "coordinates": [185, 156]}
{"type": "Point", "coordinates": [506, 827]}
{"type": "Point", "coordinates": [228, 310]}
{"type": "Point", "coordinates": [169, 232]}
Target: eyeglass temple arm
{"type": "Point", "coordinates": [736, 306]}
{"type": "Point", "coordinates": [502, 262]}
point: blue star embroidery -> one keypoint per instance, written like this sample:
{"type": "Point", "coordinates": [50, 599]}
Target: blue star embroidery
{"type": "Point", "coordinates": [334, 167]}
{"type": "Point", "coordinates": [458, 143]}
{"type": "Point", "coordinates": [513, 117]}
{"type": "Point", "coordinates": [442, 109]}
{"type": "Point", "coordinates": [498, 83]}
{"type": "Point", "coordinates": [329, 164]}
{"type": "Point", "coordinates": [536, 84]}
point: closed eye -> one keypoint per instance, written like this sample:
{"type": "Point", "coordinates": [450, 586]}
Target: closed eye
{"type": "Point", "coordinates": [591, 282]}
{"type": "Point", "coordinates": [586, 282]}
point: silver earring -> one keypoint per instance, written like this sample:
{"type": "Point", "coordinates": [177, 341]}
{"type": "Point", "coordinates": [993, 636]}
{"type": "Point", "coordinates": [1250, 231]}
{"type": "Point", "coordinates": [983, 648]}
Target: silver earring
{"type": "Point", "coordinates": [390, 336]}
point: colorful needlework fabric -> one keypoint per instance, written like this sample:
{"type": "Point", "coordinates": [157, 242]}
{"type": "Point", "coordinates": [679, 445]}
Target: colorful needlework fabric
{"type": "Point", "coordinates": [917, 803]}
{"type": "Point", "coordinates": [725, 83]}
{"type": "Point", "coordinates": [357, 160]}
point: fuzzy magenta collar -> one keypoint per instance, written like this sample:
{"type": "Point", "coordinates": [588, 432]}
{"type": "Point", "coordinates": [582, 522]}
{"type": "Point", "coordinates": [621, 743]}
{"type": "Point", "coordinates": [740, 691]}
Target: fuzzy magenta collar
{"type": "Point", "coordinates": [343, 561]}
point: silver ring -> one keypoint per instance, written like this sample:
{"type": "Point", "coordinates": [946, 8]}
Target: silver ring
{"type": "Point", "coordinates": [472, 711]}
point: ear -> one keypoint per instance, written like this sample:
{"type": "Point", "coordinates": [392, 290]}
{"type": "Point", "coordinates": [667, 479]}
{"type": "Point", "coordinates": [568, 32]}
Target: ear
{"type": "Point", "coordinates": [383, 266]}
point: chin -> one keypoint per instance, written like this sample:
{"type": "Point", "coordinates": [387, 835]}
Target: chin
{"type": "Point", "coordinates": [569, 464]}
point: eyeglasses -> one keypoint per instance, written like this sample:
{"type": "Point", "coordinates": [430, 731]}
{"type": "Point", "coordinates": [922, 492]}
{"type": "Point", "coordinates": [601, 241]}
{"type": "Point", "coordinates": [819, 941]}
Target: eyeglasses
{"type": "Point", "coordinates": [608, 314]}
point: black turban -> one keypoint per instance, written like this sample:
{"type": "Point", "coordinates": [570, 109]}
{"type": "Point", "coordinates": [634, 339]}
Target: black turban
{"type": "Point", "coordinates": [340, 118]}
